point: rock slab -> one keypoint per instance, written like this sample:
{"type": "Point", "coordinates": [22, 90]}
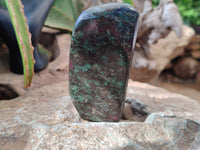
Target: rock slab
{"type": "Point", "coordinates": [42, 119]}
{"type": "Point", "coordinates": [158, 132]}
{"type": "Point", "coordinates": [100, 60]}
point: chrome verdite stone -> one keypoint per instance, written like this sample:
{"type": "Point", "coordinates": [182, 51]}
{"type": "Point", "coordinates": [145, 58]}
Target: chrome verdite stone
{"type": "Point", "coordinates": [100, 60]}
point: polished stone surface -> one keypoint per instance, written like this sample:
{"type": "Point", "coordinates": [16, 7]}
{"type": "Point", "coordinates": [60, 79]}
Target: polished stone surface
{"type": "Point", "coordinates": [100, 59]}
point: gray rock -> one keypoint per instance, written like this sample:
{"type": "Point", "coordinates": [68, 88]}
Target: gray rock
{"type": "Point", "coordinates": [157, 133]}
{"type": "Point", "coordinates": [45, 119]}
{"type": "Point", "coordinates": [182, 133]}
{"type": "Point", "coordinates": [135, 111]}
{"type": "Point", "coordinates": [158, 100]}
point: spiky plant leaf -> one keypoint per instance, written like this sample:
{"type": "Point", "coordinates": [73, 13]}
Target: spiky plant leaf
{"type": "Point", "coordinates": [19, 21]}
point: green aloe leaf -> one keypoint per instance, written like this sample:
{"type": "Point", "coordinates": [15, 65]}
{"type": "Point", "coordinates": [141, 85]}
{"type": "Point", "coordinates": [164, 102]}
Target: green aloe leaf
{"type": "Point", "coordinates": [44, 51]}
{"type": "Point", "coordinates": [129, 2]}
{"type": "Point", "coordinates": [64, 14]}
{"type": "Point", "coordinates": [58, 19]}
{"type": "Point", "coordinates": [19, 21]}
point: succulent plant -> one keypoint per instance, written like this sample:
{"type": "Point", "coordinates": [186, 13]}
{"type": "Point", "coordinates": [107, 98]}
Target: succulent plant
{"type": "Point", "coordinates": [36, 12]}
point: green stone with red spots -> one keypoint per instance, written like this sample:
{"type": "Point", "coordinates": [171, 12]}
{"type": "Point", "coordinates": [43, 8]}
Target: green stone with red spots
{"type": "Point", "coordinates": [100, 59]}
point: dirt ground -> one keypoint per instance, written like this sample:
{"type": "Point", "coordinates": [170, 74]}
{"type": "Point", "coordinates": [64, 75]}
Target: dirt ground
{"type": "Point", "coordinates": [189, 90]}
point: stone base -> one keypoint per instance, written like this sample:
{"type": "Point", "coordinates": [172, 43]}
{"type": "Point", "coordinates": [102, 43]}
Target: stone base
{"type": "Point", "coordinates": [45, 118]}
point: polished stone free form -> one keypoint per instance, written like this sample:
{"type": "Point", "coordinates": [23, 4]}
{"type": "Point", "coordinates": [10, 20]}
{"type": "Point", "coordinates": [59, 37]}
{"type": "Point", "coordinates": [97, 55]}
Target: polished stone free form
{"type": "Point", "coordinates": [100, 59]}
